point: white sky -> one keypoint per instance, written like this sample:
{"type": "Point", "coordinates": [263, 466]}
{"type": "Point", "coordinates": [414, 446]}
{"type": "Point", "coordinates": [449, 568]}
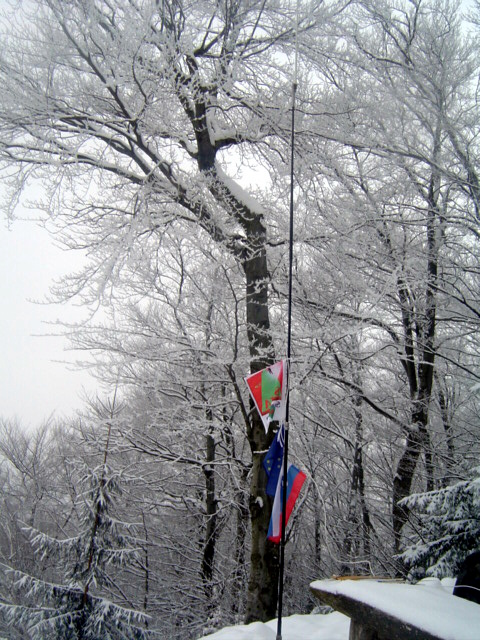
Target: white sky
{"type": "Point", "coordinates": [35, 379]}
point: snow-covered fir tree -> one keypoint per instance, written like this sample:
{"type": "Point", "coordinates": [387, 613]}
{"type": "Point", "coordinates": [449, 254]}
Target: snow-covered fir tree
{"type": "Point", "coordinates": [449, 528]}
{"type": "Point", "coordinates": [72, 605]}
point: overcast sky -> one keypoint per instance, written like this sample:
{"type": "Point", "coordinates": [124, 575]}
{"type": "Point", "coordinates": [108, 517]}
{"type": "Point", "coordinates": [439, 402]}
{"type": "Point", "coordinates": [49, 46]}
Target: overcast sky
{"type": "Point", "coordinates": [35, 379]}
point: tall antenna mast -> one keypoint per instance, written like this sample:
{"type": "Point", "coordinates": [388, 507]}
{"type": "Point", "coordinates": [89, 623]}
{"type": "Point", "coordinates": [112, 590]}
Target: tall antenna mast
{"type": "Point", "coordinates": [289, 335]}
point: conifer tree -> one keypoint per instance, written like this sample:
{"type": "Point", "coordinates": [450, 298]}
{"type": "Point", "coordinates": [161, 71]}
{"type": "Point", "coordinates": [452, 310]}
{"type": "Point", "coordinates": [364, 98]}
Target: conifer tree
{"type": "Point", "coordinates": [72, 607]}
{"type": "Point", "coordinates": [449, 531]}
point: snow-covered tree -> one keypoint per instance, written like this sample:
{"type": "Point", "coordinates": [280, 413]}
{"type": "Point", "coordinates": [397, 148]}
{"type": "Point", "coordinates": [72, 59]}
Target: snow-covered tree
{"type": "Point", "coordinates": [397, 202]}
{"type": "Point", "coordinates": [135, 116]}
{"type": "Point", "coordinates": [446, 523]}
{"type": "Point", "coordinates": [68, 599]}
{"type": "Point", "coordinates": [159, 132]}
{"type": "Point", "coordinates": [31, 490]}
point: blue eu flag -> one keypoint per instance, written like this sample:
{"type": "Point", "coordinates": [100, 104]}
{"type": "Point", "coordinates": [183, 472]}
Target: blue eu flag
{"type": "Point", "coordinates": [273, 461]}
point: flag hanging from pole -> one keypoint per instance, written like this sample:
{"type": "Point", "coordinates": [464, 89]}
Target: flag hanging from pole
{"type": "Point", "coordinates": [268, 390]}
{"type": "Point", "coordinates": [273, 461]}
{"type": "Point", "coordinates": [295, 480]}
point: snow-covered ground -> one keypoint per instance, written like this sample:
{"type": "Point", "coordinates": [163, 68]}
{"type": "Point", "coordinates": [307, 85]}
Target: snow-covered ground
{"type": "Point", "coordinates": [333, 626]}
{"type": "Point", "coordinates": [430, 605]}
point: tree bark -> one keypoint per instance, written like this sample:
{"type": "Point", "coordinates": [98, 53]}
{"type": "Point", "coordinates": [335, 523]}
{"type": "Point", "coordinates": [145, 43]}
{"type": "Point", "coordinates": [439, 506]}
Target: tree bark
{"type": "Point", "coordinates": [421, 376]}
{"type": "Point", "coordinates": [263, 583]}
{"type": "Point", "coordinates": [208, 557]}
{"type": "Point", "coordinates": [357, 536]}
{"type": "Point", "coordinates": [450, 472]}
{"type": "Point", "coordinates": [242, 523]}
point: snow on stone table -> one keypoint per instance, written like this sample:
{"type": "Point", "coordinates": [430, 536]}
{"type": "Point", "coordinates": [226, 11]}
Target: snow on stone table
{"type": "Point", "coordinates": [332, 626]}
{"type": "Point", "coordinates": [424, 610]}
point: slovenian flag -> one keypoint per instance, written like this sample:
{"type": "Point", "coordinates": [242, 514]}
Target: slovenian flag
{"type": "Point", "coordinates": [268, 390]}
{"type": "Point", "coordinates": [295, 480]}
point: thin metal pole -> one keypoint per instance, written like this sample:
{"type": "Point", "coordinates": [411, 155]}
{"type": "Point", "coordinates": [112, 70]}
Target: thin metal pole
{"type": "Point", "coordinates": [289, 350]}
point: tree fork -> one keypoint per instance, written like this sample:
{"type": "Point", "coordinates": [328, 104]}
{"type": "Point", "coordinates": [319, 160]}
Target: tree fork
{"type": "Point", "coordinates": [263, 581]}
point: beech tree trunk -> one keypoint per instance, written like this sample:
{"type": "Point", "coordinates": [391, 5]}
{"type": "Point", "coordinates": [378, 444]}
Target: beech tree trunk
{"type": "Point", "coordinates": [356, 543]}
{"type": "Point", "coordinates": [421, 376]}
{"type": "Point", "coordinates": [208, 558]}
{"type": "Point", "coordinates": [263, 582]}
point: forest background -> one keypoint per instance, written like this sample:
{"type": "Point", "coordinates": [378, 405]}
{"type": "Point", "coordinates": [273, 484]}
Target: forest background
{"type": "Point", "coordinates": [158, 135]}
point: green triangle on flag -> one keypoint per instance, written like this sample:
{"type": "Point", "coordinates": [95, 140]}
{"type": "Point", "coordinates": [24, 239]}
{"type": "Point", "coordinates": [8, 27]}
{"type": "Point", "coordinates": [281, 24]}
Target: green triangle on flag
{"type": "Point", "coordinates": [268, 390]}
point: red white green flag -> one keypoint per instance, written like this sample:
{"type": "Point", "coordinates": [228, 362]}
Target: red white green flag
{"type": "Point", "coordinates": [268, 390]}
